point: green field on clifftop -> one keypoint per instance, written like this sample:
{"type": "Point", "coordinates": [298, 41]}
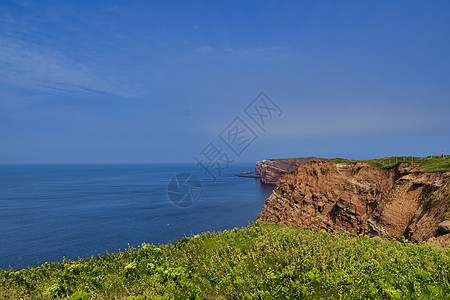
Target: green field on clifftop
{"type": "Point", "coordinates": [258, 262]}
{"type": "Point", "coordinates": [427, 164]}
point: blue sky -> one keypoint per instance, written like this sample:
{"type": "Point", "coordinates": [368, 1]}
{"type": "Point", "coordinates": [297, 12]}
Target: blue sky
{"type": "Point", "coordinates": [156, 81]}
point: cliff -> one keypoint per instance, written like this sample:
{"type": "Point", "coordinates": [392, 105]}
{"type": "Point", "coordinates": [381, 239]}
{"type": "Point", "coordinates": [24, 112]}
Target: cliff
{"type": "Point", "coordinates": [392, 202]}
{"type": "Point", "coordinates": [271, 170]}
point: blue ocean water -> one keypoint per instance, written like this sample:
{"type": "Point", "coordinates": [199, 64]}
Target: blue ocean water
{"type": "Point", "coordinates": [48, 212]}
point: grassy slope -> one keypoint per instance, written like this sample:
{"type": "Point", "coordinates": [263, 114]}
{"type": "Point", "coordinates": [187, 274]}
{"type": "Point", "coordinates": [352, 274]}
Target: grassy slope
{"type": "Point", "coordinates": [258, 262]}
{"type": "Point", "coordinates": [428, 164]}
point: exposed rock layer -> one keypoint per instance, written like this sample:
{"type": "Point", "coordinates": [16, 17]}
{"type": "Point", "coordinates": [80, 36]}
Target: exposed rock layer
{"type": "Point", "coordinates": [354, 197]}
{"type": "Point", "coordinates": [271, 170]}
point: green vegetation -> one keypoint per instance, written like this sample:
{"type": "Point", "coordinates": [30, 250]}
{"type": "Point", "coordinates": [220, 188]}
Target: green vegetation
{"type": "Point", "coordinates": [258, 262]}
{"type": "Point", "coordinates": [435, 164]}
{"type": "Point", "coordinates": [427, 164]}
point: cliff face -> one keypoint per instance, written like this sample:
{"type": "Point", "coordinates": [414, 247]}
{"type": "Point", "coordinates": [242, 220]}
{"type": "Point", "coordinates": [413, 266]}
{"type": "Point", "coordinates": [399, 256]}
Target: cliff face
{"type": "Point", "coordinates": [357, 198]}
{"type": "Point", "coordinates": [271, 170]}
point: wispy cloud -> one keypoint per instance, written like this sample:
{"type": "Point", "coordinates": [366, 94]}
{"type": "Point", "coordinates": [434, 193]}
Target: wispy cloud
{"type": "Point", "coordinates": [246, 54]}
{"type": "Point", "coordinates": [38, 67]}
{"type": "Point", "coordinates": [31, 58]}
{"type": "Point", "coordinates": [257, 54]}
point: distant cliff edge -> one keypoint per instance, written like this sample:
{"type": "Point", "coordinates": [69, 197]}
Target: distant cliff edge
{"type": "Point", "coordinates": [271, 170]}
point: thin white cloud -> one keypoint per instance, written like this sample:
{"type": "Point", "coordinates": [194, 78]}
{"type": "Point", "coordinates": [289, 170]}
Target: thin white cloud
{"type": "Point", "coordinates": [246, 54]}
{"type": "Point", "coordinates": [38, 67]}
{"type": "Point", "coordinates": [256, 54]}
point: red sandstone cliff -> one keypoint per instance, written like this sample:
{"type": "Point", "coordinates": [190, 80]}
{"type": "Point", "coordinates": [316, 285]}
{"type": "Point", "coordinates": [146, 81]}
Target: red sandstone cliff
{"type": "Point", "coordinates": [271, 170]}
{"type": "Point", "coordinates": [354, 197]}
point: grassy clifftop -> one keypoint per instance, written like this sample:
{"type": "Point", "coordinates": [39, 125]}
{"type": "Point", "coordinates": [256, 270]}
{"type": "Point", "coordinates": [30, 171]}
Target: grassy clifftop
{"type": "Point", "coordinates": [427, 164]}
{"type": "Point", "coordinates": [258, 262]}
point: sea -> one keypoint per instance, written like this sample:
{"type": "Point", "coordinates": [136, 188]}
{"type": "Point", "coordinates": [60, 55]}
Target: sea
{"type": "Point", "coordinates": [52, 212]}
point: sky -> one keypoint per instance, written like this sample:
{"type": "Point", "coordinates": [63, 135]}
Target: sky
{"type": "Point", "coordinates": [163, 81]}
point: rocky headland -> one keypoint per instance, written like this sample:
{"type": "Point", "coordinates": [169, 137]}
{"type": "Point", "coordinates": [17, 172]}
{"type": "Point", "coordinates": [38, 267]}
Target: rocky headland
{"type": "Point", "coordinates": [271, 170]}
{"type": "Point", "coordinates": [395, 202]}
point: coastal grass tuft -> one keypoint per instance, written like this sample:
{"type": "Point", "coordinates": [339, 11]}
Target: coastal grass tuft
{"type": "Point", "coordinates": [258, 262]}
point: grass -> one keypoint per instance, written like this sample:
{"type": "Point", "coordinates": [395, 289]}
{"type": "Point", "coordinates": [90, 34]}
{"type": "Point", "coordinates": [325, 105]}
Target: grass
{"type": "Point", "coordinates": [257, 262]}
{"type": "Point", "coordinates": [427, 164]}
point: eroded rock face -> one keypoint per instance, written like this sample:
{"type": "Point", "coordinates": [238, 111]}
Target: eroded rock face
{"type": "Point", "coordinates": [271, 170]}
{"type": "Point", "coordinates": [258, 168]}
{"type": "Point", "coordinates": [354, 197]}
{"type": "Point", "coordinates": [444, 227]}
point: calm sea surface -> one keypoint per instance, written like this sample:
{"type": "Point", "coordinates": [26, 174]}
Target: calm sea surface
{"type": "Point", "coordinates": [51, 211]}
